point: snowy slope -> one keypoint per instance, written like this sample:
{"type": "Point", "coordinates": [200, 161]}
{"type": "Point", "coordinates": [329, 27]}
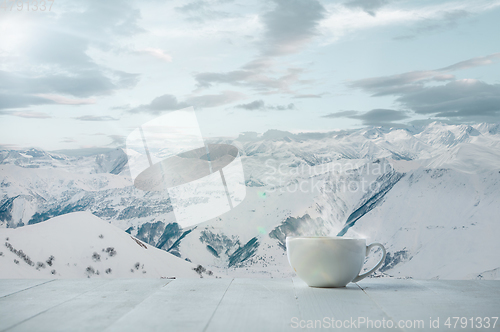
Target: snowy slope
{"type": "Point", "coordinates": [79, 245]}
{"type": "Point", "coordinates": [438, 224]}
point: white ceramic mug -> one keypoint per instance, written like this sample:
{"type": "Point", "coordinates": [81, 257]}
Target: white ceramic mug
{"type": "Point", "coordinates": [329, 261]}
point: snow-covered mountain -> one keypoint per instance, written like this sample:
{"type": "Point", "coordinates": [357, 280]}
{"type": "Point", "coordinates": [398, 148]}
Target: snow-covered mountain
{"type": "Point", "coordinates": [79, 245]}
{"type": "Point", "coordinates": [430, 194]}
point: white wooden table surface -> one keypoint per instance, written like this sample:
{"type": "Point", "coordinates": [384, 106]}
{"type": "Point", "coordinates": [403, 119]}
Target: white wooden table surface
{"type": "Point", "coordinates": [246, 305]}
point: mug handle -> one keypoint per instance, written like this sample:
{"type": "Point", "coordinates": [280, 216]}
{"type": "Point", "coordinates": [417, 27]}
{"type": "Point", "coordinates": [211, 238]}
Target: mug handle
{"type": "Point", "coordinates": [368, 248]}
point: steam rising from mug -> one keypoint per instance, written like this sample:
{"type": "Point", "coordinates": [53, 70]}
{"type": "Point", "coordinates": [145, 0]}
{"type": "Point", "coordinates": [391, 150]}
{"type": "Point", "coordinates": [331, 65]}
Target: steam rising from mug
{"type": "Point", "coordinates": [168, 154]}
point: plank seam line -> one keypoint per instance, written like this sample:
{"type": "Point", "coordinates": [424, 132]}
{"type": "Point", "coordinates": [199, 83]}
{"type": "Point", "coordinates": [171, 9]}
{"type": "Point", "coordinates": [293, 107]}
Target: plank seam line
{"type": "Point", "coordinates": [168, 283]}
{"type": "Point", "coordinates": [218, 304]}
{"type": "Point", "coordinates": [22, 290]}
{"type": "Point", "coordinates": [376, 303]}
{"type": "Point", "coordinates": [57, 305]}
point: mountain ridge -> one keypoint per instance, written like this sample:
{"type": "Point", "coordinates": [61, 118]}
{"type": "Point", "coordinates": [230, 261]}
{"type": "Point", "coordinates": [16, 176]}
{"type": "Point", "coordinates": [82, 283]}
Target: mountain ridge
{"type": "Point", "coordinates": [297, 184]}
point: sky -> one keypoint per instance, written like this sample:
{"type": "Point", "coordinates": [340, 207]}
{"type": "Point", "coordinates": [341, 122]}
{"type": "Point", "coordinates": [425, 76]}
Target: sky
{"type": "Point", "coordinates": [85, 74]}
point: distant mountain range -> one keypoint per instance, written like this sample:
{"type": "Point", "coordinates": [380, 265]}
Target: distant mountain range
{"type": "Point", "coordinates": [430, 194]}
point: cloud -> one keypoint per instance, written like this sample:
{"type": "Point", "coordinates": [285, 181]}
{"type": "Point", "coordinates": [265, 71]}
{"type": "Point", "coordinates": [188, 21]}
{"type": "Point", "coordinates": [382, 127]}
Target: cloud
{"type": "Point", "coordinates": [341, 114]}
{"type": "Point", "coordinates": [255, 76]}
{"type": "Point", "coordinates": [201, 11]}
{"type": "Point", "coordinates": [458, 99]}
{"type": "Point", "coordinates": [380, 116]}
{"type": "Point", "coordinates": [157, 53]}
{"type": "Point", "coordinates": [61, 100]}
{"type": "Point", "coordinates": [290, 25]}
{"type": "Point", "coordinates": [95, 118]}
{"type": "Point", "coordinates": [31, 115]}
{"type": "Point", "coordinates": [19, 100]}
{"type": "Point", "coordinates": [9, 146]}
{"type": "Point", "coordinates": [261, 106]}
{"type": "Point", "coordinates": [169, 102]}
{"type": "Point", "coordinates": [117, 140]}
{"type": "Point", "coordinates": [28, 89]}
{"type": "Point", "coordinates": [254, 105]}
{"type": "Point", "coordinates": [474, 62]}
{"type": "Point", "coordinates": [375, 117]}
{"type": "Point", "coordinates": [394, 84]}
{"type": "Point", "coordinates": [304, 96]}
{"type": "Point", "coordinates": [446, 21]}
{"type": "Point", "coordinates": [213, 100]}
{"type": "Point", "coordinates": [68, 140]}
{"type": "Point", "coordinates": [369, 6]}
{"type": "Point", "coordinates": [194, 6]}
{"type": "Point", "coordinates": [236, 77]}
{"type": "Point", "coordinates": [290, 106]}
{"type": "Point", "coordinates": [57, 53]}
{"type": "Point", "coordinates": [26, 114]}
{"type": "Point", "coordinates": [121, 107]}
{"type": "Point", "coordinates": [413, 81]}
{"type": "Point", "coordinates": [164, 102]}
{"type": "Point", "coordinates": [437, 16]}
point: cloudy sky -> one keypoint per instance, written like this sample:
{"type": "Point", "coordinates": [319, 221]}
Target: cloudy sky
{"type": "Point", "coordinates": [86, 73]}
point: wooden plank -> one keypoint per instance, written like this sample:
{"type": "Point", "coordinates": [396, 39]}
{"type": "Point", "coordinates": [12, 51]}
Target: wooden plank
{"type": "Point", "coordinates": [405, 301]}
{"type": "Point", "coordinates": [492, 285]}
{"type": "Point", "coordinates": [11, 286]}
{"type": "Point", "coordinates": [21, 306]}
{"type": "Point", "coordinates": [237, 305]}
{"type": "Point", "coordinates": [339, 308]}
{"type": "Point", "coordinates": [470, 298]}
{"type": "Point", "coordinates": [96, 309]}
{"type": "Point", "coordinates": [415, 304]}
{"type": "Point", "coordinates": [182, 305]}
{"type": "Point", "coordinates": [256, 305]}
